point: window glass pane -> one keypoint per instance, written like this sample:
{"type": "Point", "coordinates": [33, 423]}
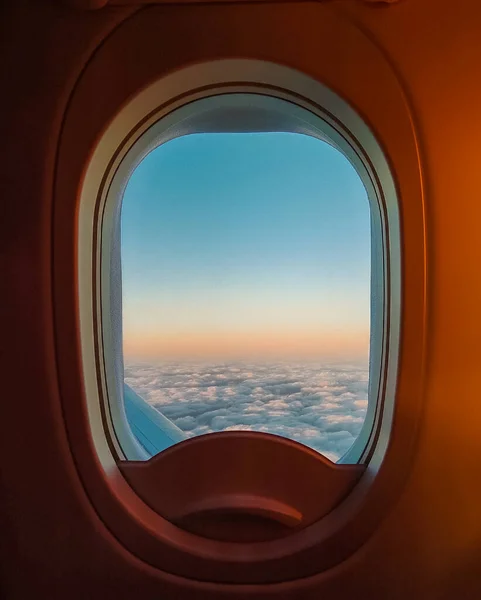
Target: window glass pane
{"type": "Point", "coordinates": [246, 264]}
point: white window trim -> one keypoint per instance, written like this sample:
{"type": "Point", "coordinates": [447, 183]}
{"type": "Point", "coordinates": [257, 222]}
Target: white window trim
{"type": "Point", "coordinates": [333, 120]}
{"type": "Point", "coordinates": [225, 109]}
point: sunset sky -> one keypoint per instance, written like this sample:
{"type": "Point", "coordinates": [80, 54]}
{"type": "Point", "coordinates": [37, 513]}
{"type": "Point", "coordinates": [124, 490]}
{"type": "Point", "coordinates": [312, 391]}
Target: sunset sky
{"type": "Point", "coordinates": [246, 246]}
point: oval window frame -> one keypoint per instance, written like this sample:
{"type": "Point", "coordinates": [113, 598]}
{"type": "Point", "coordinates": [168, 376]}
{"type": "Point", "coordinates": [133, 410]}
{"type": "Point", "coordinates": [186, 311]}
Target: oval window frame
{"type": "Point", "coordinates": [150, 538]}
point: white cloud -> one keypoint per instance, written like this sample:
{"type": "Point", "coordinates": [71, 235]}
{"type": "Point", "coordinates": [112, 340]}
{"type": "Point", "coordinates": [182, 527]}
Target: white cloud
{"type": "Point", "coordinates": [322, 407]}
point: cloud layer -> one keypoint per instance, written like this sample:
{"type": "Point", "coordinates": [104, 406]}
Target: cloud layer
{"type": "Point", "coordinates": [320, 406]}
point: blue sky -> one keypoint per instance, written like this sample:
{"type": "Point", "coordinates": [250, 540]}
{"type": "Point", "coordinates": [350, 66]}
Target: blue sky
{"type": "Point", "coordinates": [246, 245]}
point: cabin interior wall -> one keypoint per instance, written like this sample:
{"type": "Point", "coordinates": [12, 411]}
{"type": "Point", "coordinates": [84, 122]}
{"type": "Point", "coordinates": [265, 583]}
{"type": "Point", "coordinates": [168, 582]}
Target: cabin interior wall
{"type": "Point", "coordinates": [54, 545]}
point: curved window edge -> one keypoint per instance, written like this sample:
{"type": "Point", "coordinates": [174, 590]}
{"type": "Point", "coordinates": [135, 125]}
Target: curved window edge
{"type": "Point", "coordinates": [101, 159]}
{"type": "Point", "coordinates": [232, 108]}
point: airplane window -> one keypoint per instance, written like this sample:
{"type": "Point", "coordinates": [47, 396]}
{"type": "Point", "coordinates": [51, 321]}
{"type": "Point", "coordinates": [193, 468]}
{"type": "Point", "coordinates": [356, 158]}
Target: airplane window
{"type": "Point", "coordinates": [239, 306]}
{"type": "Point", "coordinates": [246, 291]}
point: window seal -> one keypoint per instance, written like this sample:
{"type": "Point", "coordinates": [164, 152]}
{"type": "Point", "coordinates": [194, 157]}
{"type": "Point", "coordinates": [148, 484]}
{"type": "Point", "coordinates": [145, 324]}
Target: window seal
{"type": "Point", "coordinates": [186, 115]}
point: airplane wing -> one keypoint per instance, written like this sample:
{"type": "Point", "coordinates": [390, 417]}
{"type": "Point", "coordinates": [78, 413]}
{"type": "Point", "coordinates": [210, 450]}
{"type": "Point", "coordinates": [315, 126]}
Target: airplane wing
{"type": "Point", "coordinates": [151, 428]}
